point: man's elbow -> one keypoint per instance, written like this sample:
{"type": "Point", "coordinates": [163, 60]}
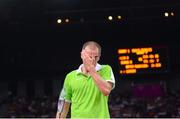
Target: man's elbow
{"type": "Point", "coordinates": [106, 90]}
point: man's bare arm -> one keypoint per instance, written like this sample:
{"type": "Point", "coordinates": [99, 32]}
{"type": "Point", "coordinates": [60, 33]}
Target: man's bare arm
{"type": "Point", "coordinates": [104, 86]}
{"type": "Point", "coordinates": [64, 111]}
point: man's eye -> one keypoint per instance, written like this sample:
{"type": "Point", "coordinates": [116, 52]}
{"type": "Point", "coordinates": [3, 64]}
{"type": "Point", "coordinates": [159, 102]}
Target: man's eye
{"type": "Point", "coordinates": [96, 57]}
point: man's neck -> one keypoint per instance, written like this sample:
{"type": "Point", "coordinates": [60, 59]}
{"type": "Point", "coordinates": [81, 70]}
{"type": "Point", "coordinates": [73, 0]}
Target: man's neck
{"type": "Point", "coordinates": [84, 71]}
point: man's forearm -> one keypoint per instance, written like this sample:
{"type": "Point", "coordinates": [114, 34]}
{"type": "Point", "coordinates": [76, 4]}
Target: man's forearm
{"type": "Point", "coordinates": [64, 112]}
{"type": "Point", "coordinates": [104, 86]}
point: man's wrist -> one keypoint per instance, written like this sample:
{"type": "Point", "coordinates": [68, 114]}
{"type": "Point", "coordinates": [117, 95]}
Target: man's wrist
{"type": "Point", "coordinates": [92, 72]}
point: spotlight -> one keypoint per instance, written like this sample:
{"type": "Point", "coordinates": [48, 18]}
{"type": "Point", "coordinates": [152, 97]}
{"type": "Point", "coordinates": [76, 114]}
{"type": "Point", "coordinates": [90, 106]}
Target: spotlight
{"type": "Point", "coordinates": [166, 14]}
{"type": "Point", "coordinates": [59, 21]}
{"type": "Point", "coordinates": [172, 13]}
{"type": "Point", "coordinates": [110, 18]}
{"type": "Point", "coordinates": [119, 17]}
{"type": "Point", "coordinates": [66, 20]}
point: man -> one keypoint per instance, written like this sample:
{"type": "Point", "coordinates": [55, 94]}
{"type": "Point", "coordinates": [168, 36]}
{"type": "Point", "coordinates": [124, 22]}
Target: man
{"type": "Point", "coordinates": [88, 87]}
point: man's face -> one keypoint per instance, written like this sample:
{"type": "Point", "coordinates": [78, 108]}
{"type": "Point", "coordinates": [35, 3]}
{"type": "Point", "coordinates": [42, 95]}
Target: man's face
{"type": "Point", "coordinates": [92, 53]}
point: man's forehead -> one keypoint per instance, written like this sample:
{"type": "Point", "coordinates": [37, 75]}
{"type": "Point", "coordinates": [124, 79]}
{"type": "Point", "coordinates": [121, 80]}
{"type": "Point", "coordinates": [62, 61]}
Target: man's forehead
{"type": "Point", "coordinates": [91, 50]}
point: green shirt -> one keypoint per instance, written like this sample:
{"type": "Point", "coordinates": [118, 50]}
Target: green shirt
{"type": "Point", "coordinates": [86, 99]}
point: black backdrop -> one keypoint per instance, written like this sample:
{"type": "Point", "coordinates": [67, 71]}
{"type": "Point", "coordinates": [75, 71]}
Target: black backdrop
{"type": "Point", "coordinates": [33, 44]}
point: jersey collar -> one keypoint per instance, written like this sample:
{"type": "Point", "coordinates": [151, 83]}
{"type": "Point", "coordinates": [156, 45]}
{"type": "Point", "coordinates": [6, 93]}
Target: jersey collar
{"type": "Point", "coordinates": [98, 67]}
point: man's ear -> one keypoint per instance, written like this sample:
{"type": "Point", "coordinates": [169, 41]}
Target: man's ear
{"type": "Point", "coordinates": [99, 58]}
{"type": "Point", "coordinates": [81, 54]}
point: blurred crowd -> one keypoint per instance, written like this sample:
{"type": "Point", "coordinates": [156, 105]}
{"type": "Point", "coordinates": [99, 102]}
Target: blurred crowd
{"type": "Point", "coordinates": [128, 106]}
{"type": "Point", "coordinates": [120, 105]}
{"type": "Point", "coordinates": [31, 107]}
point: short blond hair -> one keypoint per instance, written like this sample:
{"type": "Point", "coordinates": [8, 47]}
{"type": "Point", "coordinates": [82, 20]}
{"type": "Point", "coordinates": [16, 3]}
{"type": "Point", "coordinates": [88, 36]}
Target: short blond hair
{"type": "Point", "coordinates": [92, 43]}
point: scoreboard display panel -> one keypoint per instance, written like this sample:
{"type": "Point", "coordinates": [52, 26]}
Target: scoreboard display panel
{"type": "Point", "coordinates": [143, 60]}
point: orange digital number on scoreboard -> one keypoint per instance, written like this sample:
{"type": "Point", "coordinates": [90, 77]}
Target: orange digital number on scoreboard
{"type": "Point", "coordinates": [142, 60]}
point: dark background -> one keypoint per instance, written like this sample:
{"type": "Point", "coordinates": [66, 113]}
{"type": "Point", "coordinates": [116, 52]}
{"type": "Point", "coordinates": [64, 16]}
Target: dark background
{"type": "Point", "coordinates": [32, 43]}
{"type": "Point", "coordinates": [37, 53]}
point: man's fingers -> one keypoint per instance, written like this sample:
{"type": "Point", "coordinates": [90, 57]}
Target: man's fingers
{"type": "Point", "coordinates": [88, 59]}
{"type": "Point", "coordinates": [86, 55]}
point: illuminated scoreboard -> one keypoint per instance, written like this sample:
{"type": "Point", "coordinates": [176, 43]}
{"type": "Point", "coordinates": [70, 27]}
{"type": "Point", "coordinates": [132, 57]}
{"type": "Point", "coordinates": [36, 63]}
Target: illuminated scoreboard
{"type": "Point", "coordinates": [143, 60]}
